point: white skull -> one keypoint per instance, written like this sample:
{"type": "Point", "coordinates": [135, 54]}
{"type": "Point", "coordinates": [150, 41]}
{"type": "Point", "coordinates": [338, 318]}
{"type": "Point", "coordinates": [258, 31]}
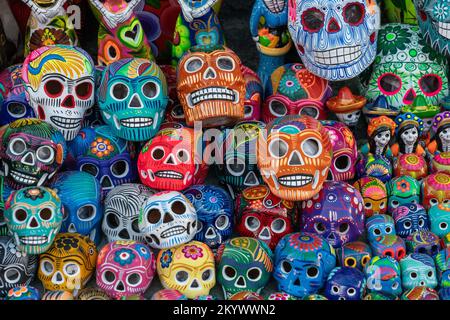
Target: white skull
{"type": "Point", "coordinates": [167, 219]}
{"type": "Point", "coordinates": [382, 138]}
{"type": "Point", "coordinates": [445, 135]}
{"type": "Point", "coordinates": [351, 119]}
{"type": "Point", "coordinates": [410, 136]}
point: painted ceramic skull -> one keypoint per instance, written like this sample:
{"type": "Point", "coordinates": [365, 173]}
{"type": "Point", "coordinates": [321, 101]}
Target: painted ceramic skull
{"type": "Point", "coordinates": [296, 91]}
{"type": "Point", "coordinates": [435, 189]}
{"type": "Point", "coordinates": [295, 157]}
{"type": "Point", "coordinates": [80, 194]}
{"type": "Point", "coordinates": [167, 219]}
{"type": "Point", "coordinates": [253, 94]}
{"type": "Point", "coordinates": [105, 156]}
{"type": "Point", "coordinates": [440, 219]}
{"type": "Point", "coordinates": [188, 268]}
{"type": "Point", "coordinates": [303, 262]}
{"type": "Point", "coordinates": [336, 39]}
{"type": "Point", "coordinates": [406, 67]}
{"type": "Point", "coordinates": [402, 190]}
{"type": "Point", "coordinates": [355, 255]}
{"type": "Point", "coordinates": [345, 153]}
{"type": "Point", "coordinates": [34, 216]}
{"type": "Point", "coordinates": [69, 263]}
{"type": "Point", "coordinates": [60, 85]}
{"type": "Point", "coordinates": [424, 241]}
{"type": "Point", "coordinates": [264, 216]}
{"type": "Point", "coordinates": [23, 293]}
{"type": "Point", "coordinates": [16, 267]}
{"type": "Point", "coordinates": [133, 98]}
{"type": "Point", "coordinates": [443, 267]}
{"type": "Point", "coordinates": [389, 245]}
{"type": "Point", "coordinates": [122, 206]}
{"type": "Point", "coordinates": [383, 276]}
{"type": "Point", "coordinates": [345, 283]}
{"type": "Point", "coordinates": [379, 225]}
{"type": "Point", "coordinates": [410, 218]}
{"type": "Point", "coordinates": [418, 270]}
{"type": "Point", "coordinates": [32, 152]}
{"type": "Point", "coordinates": [214, 208]}
{"type": "Point", "coordinates": [374, 195]}
{"type": "Point", "coordinates": [244, 264]}
{"type": "Point", "coordinates": [125, 268]}
{"type": "Point", "coordinates": [211, 86]}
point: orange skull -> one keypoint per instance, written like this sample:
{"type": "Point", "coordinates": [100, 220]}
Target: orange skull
{"type": "Point", "coordinates": [295, 157]}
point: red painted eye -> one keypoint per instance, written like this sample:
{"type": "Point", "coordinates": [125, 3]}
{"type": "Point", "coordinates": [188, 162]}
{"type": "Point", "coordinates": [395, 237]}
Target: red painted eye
{"type": "Point", "coordinates": [389, 84]}
{"type": "Point", "coordinates": [53, 88]}
{"type": "Point", "coordinates": [353, 13]}
{"type": "Point", "coordinates": [430, 84]}
{"type": "Point", "coordinates": [313, 20]}
{"type": "Point", "coordinates": [84, 90]}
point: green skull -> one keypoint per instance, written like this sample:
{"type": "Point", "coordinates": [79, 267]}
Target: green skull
{"type": "Point", "coordinates": [402, 190]}
{"type": "Point", "coordinates": [418, 270]}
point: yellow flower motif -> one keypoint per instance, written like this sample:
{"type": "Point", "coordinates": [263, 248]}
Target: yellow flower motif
{"type": "Point", "coordinates": [48, 38]}
{"type": "Point", "coordinates": [101, 147]}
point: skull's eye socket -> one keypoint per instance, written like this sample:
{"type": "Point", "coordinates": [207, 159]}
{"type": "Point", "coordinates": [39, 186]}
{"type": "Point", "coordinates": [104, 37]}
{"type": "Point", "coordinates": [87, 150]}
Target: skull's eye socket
{"type": "Point", "coordinates": [443, 225]}
{"type": "Point", "coordinates": [286, 266]}
{"type": "Point", "coordinates": [312, 272]}
{"type": "Point", "coordinates": [134, 279]}
{"type": "Point", "coordinates": [413, 275]}
{"type": "Point", "coordinates": [421, 223]}
{"type": "Point", "coordinates": [344, 227]}
{"type": "Point", "coordinates": [368, 205]}
{"type": "Point", "coordinates": [311, 147]}
{"type": "Point", "coordinates": [278, 148]}
{"type": "Point", "coordinates": [120, 168]}
{"type": "Point", "coordinates": [45, 154]}
{"type": "Point", "coordinates": [236, 166]}
{"type": "Point", "coordinates": [46, 214]}
{"type": "Point", "coordinates": [12, 275]}
{"type": "Point", "coordinates": [388, 230]}
{"type": "Point", "coordinates": [407, 224]}
{"type": "Point", "coordinates": [252, 223]}
{"type": "Point", "coordinates": [108, 277]}
{"type": "Point", "coordinates": [20, 215]}
{"type": "Point", "coordinates": [229, 273]}
{"type": "Point", "coordinates": [16, 110]}
{"type": "Point", "coordinates": [395, 203]}
{"type": "Point", "coordinates": [342, 163]}
{"type": "Point", "coordinates": [278, 225]}
{"type": "Point", "coordinates": [433, 202]}
{"type": "Point", "coordinates": [335, 289]}
{"type": "Point", "coordinates": [222, 222]}
{"type": "Point", "coordinates": [254, 274]}
{"type": "Point", "coordinates": [430, 274]}
{"type": "Point", "coordinates": [182, 277]}
{"type": "Point", "coordinates": [248, 110]}
{"type": "Point", "coordinates": [53, 88]}
{"type": "Point", "coordinates": [320, 227]}
{"type": "Point", "coordinates": [177, 112]}
{"type": "Point", "coordinates": [178, 207]}
{"type": "Point", "coordinates": [90, 168]}
{"type": "Point", "coordinates": [193, 64]}
{"type": "Point", "coordinates": [86, 213]}
{"type": "Point", "coordinates": [430, 84]}
{"type": "Point", "coordinates": [309, 111]}
{"type": "Point", "coordinates": [84, 90]}
{"type": "Point", "coordinates": [354, 13]}
{"type": "Point", "coordinates": [47, 267]}
{"type": "Point", "coordinates": [199, 226]}
{"type": "Point", "coordinates": [351, 291]}
{"type": "Point", "coordinates": [158, 153]}
{"type": "Point", "coordinates": [150, 89]}
{"type": "Point", "coordinates": [377, 232]}
{"type": "Point", "coordinates": [119, 91]}
{"type": "Point", "coordinates": [313, 20]}
{"type": "Point", "coordinates": [277, 108]}
{"type": "Point", "coordinates": [112, 221]}
{"type": "Point", "coordinates": [207, 275]}
{"type": "Point", "coordinates": [135, 225]}
{"type": "Point", "coordinates": [153, 216]}
{"type": "Point", "coordinates": [364, 260]}
{"type": "Point", "coordinates": [390, 84]}
{"type": "Point", "coordinates": [225, 63]}
{"type": "Point", "coordinates": [350, 262]}
{"type": "Point", "coordinates": [17, 146]}
{"type": "Point", "coordinates": [183, 156]}
{"type": "Point", "coordinates": [71, 269]}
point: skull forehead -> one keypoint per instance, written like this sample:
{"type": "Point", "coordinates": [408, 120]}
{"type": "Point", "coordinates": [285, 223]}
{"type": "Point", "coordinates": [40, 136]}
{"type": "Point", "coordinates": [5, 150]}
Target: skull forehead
{"type": "Point", "coordinates": [127, 199]}
{"type": "Point", "coordinates": [99, 143]}
{"type": "Point", "coordinates": [125, 255]}
{"type": "Point", "coordinates": [192, 255]}
{"type": "Point", "coordinates": [209, 201]}
{"type": "Point", "coordinates": [77, 188]}
{"type": "Point", "coordinates": [35, 196]}
{"type": "Point", "coordinates": [72, 246]}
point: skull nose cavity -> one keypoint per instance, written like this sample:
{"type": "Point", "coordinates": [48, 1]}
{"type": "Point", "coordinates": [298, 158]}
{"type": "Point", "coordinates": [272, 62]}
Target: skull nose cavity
{"type": "Point", "coordinates": [210, 233]}
{"type": "Point", "coordinates": [333, 26]}
{"type": "Point", "coordinates": [170, 159]}
{"type": "Point", "coordinates": [297, 282]}
{"type": "Point", "coordinates": [106, 182]}
{"type": "Point", "coordinates": [240, 282]}
{"type": "Point", "coordinates": [135, 102]}
{"type": "Point", "coordinates": [68, 102]}
{"type": "Point", "coordinates": [264, 234]}
{"type": "Point", "coordinates": [167, 218]}
{"type": "Point", "coordinates": [28, 159]}
{"type": "Point", "coordinates": [72, 228]}
{"type": "Point", "coordinates": [120, 287]}
{"type": "Point", "coordinates": [195, 284]}
{"type": "Point", "coordinates": [409, 97]}
{"type": "Point", "coordinates": [295, 159]}
{"type": "Point", "coordinates": [210, 74]}
{"type": "Point", "coordinates": [57, 278]}
{"type": "Point", "coordinates": [33, 223]}
{"type": "Point", "coordinates": [123, 234]}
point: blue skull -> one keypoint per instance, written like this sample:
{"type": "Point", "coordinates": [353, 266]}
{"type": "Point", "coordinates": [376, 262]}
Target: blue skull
{"type": "Point", "coordinates": [214, 213]}
{"type": "Point", "coordinates": [345, 283]}
{"type": "Point", "coordinates": [383, 276]}
{"type": "Point", "coordinates": [80, 194]}
{"type": "Point", "coordinates": [410, 218]}
{"type": "Point", "coordinates": [379, 225]}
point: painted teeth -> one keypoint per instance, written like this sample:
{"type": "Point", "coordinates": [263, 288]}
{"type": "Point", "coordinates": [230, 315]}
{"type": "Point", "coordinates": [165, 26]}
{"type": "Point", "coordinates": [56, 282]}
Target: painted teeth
{"type": "Point", "coordinates": [33, 240]}
{"type": "Point", "coordinates": [212, 93]}
{"type": "Point", "coordinates": [169, 175]}
{"type": "Point", "coordinates": [338, 55]}
{"type": "Point", "coordinates": [136, 122]}
{"type": "Point", "coordinates": [66, 123]}
{"type": "Point", "coordinates": [23, 178]}
{"type": "Point", "coordinates": [172, 232]}
{"type": "Point", "coordinates": [443, 28]}
{"type": "Point", "coordinates": [296, 180]}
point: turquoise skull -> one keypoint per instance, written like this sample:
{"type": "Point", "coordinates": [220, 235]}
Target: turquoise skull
{"type": "Point", "coordinates": [418, 270]}
{"type": "Point", "coordinates": [440, 219]}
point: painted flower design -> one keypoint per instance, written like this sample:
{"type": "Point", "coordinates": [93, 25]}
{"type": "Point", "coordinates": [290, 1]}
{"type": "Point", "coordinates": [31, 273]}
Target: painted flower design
{"type": "Point", "coordinates": [393, 39]}
{"type": "Point", "coordinates": [124, 256]}
{"type": "Point", "coordinates": [166, 259]}
{"type": "Point", "coordinates": [13, 250]}
{"type": "Point", "coordinates": [403, 186]}
{"type": "Point", "coordinates": [67, 243]}
{"type": "Point", "coordinates": [192, 252]}
{"type": "Point", "coordinates": [181, 42]}
{"type": "Point", "coordinates": [48, 37]}
{"type": "Point", "coordinates": [441, 11]}
{"type": "Point", "coordinates": [102, 147]}
{"type": "Point", "coordinates": [17, 292]}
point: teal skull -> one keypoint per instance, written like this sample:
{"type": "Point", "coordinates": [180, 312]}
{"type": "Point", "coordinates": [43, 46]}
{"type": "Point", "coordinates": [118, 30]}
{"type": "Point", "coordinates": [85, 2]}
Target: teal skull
{"type": "Point", "coordinates": [440, 219]}
{"type": "Point", "coordinates": [418, 270]}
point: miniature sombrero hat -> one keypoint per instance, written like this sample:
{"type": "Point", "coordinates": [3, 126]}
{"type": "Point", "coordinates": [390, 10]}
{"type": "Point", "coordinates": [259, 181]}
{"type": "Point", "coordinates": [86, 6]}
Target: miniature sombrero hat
{"type": "Point", "coordinates": [346, 101]}
{"type": "Point", "coordinates": [421, 109]}
{"type": "Point", "coordinates": [380, 107]}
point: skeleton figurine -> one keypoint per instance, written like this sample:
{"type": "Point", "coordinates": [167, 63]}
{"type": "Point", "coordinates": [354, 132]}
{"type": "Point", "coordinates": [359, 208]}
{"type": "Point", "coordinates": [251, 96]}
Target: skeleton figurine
{"type": "Point", "coordinates": [380, 131]}
{"type": "Point", "coordinates": [347, 106]}
{"type": "Point", "coordinates": [48, 25]}
{"type": "Point", "coordinates": [408, 130]}
{"type": "Point", "coordinates": [439, 148]}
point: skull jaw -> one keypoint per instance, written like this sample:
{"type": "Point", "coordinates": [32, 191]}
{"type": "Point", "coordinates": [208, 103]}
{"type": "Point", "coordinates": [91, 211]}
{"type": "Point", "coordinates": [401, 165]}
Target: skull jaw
{"type": "Point", "coordinates": [215, 113]}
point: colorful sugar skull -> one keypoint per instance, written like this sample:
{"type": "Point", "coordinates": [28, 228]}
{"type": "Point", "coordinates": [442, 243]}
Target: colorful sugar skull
{"type": "Point", "coordinates": [425, 242]}
{"type": "Point", "coordinates": [435, 189]}
{"type": "Point", "coordinates": [100, 153]}
{"type": "Point", "coordinates": [167, 161]}
{"type": "Point", "coordinates": [80, 195]}
{"type": "Point", "coordinates": [133, 98]}
{"type": "Point", "coordinates": [383, 276]}
{"type": "Point", "coordinates": [125, 268]}
{"type": "Point", "coordinates": [244, 264]}
{"type": "Point", "coordinates": [238, 169]}
{"type": "Point", "coordinates": [264, 216]}
{"type": "Point", "coordinates": [31, 152]}
{"type": "Point", "coordinates": [34, 216]}
{"type": "Point", "coordinates": [302, 263]}
{"type": "Point", "coordinates": [16, 267]}
{"type": "Point", "coordinates": [69, 263]}
{"type": "Point", "coordinates": [253, 94]}
{"type": "Point", "coordinates": [336, 40]}
{"type": "Point", "coordinates": [380, 132]}
{"type": "Point", "coordinates": [440, 219]}
{"type": "Point", "coordinates": [410, 218]}
{"type": "Point", "coordinates": [23, 293]}
{"type": "Point", "coordinates": [211, 86]}
{"type": "Point", "coordinates": [347, 106]}
{"type": "Point", "coordinates": [60, 85]}
{"type": "Point", "coordinates": [214, 208]}
{"type": "Point", "coordinates": [418, 270]}
{"type": "Point", "coordinates": [296, 91]}
{"type": "Point", "coordinates": [389, 245]}
{"type": "Point", "coordinates": [335, 213]}
{"type": "Point", "coordinates": [379, 225]}
{"type": "Point", "coordinates": [443, 267]}
{"type": "Point", "coordinates": [402, 190]}
{"type": "Point", "coordinates": [167, 219]}
{"type": "Point", "coordinates": [434, 23]}
{"type": "Point", "coordinates": [412, 165]}
{"type": "Point", "coordinates": [345, 153]}
{"type": "Point", "coordinates": [405, 67]}
{"type": "Point", "coordinates": [408, 131]}
{"type": "Point", "coordinates": [420, 293]}
{"type": "Point", "coordinates": [345, 283]}
{"type": "Point", "coordinates": [122, 207]}
{"type": "Point", "coordinates": [355, 255]}
{"type": "Point", "coordinates": [374, 194]}
{"type": "Point", "coordinates": [295, 157]}
{"type": "Point", "coordinates": [188, 268]}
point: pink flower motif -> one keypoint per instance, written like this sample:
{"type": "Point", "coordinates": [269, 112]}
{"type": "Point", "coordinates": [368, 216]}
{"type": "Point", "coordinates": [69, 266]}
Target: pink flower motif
{"type": "Point", "coordinates": [192, 252]}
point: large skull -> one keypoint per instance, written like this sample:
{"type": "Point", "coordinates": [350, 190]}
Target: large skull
{"type": "Point", "coordinates": [167, 219]}
{"type": "Point", "coordinates": [336, 39]}
{"type": "Point", "coordinates": [435, 189]}
{"type": "Point", "coordinates": [60, 84]}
